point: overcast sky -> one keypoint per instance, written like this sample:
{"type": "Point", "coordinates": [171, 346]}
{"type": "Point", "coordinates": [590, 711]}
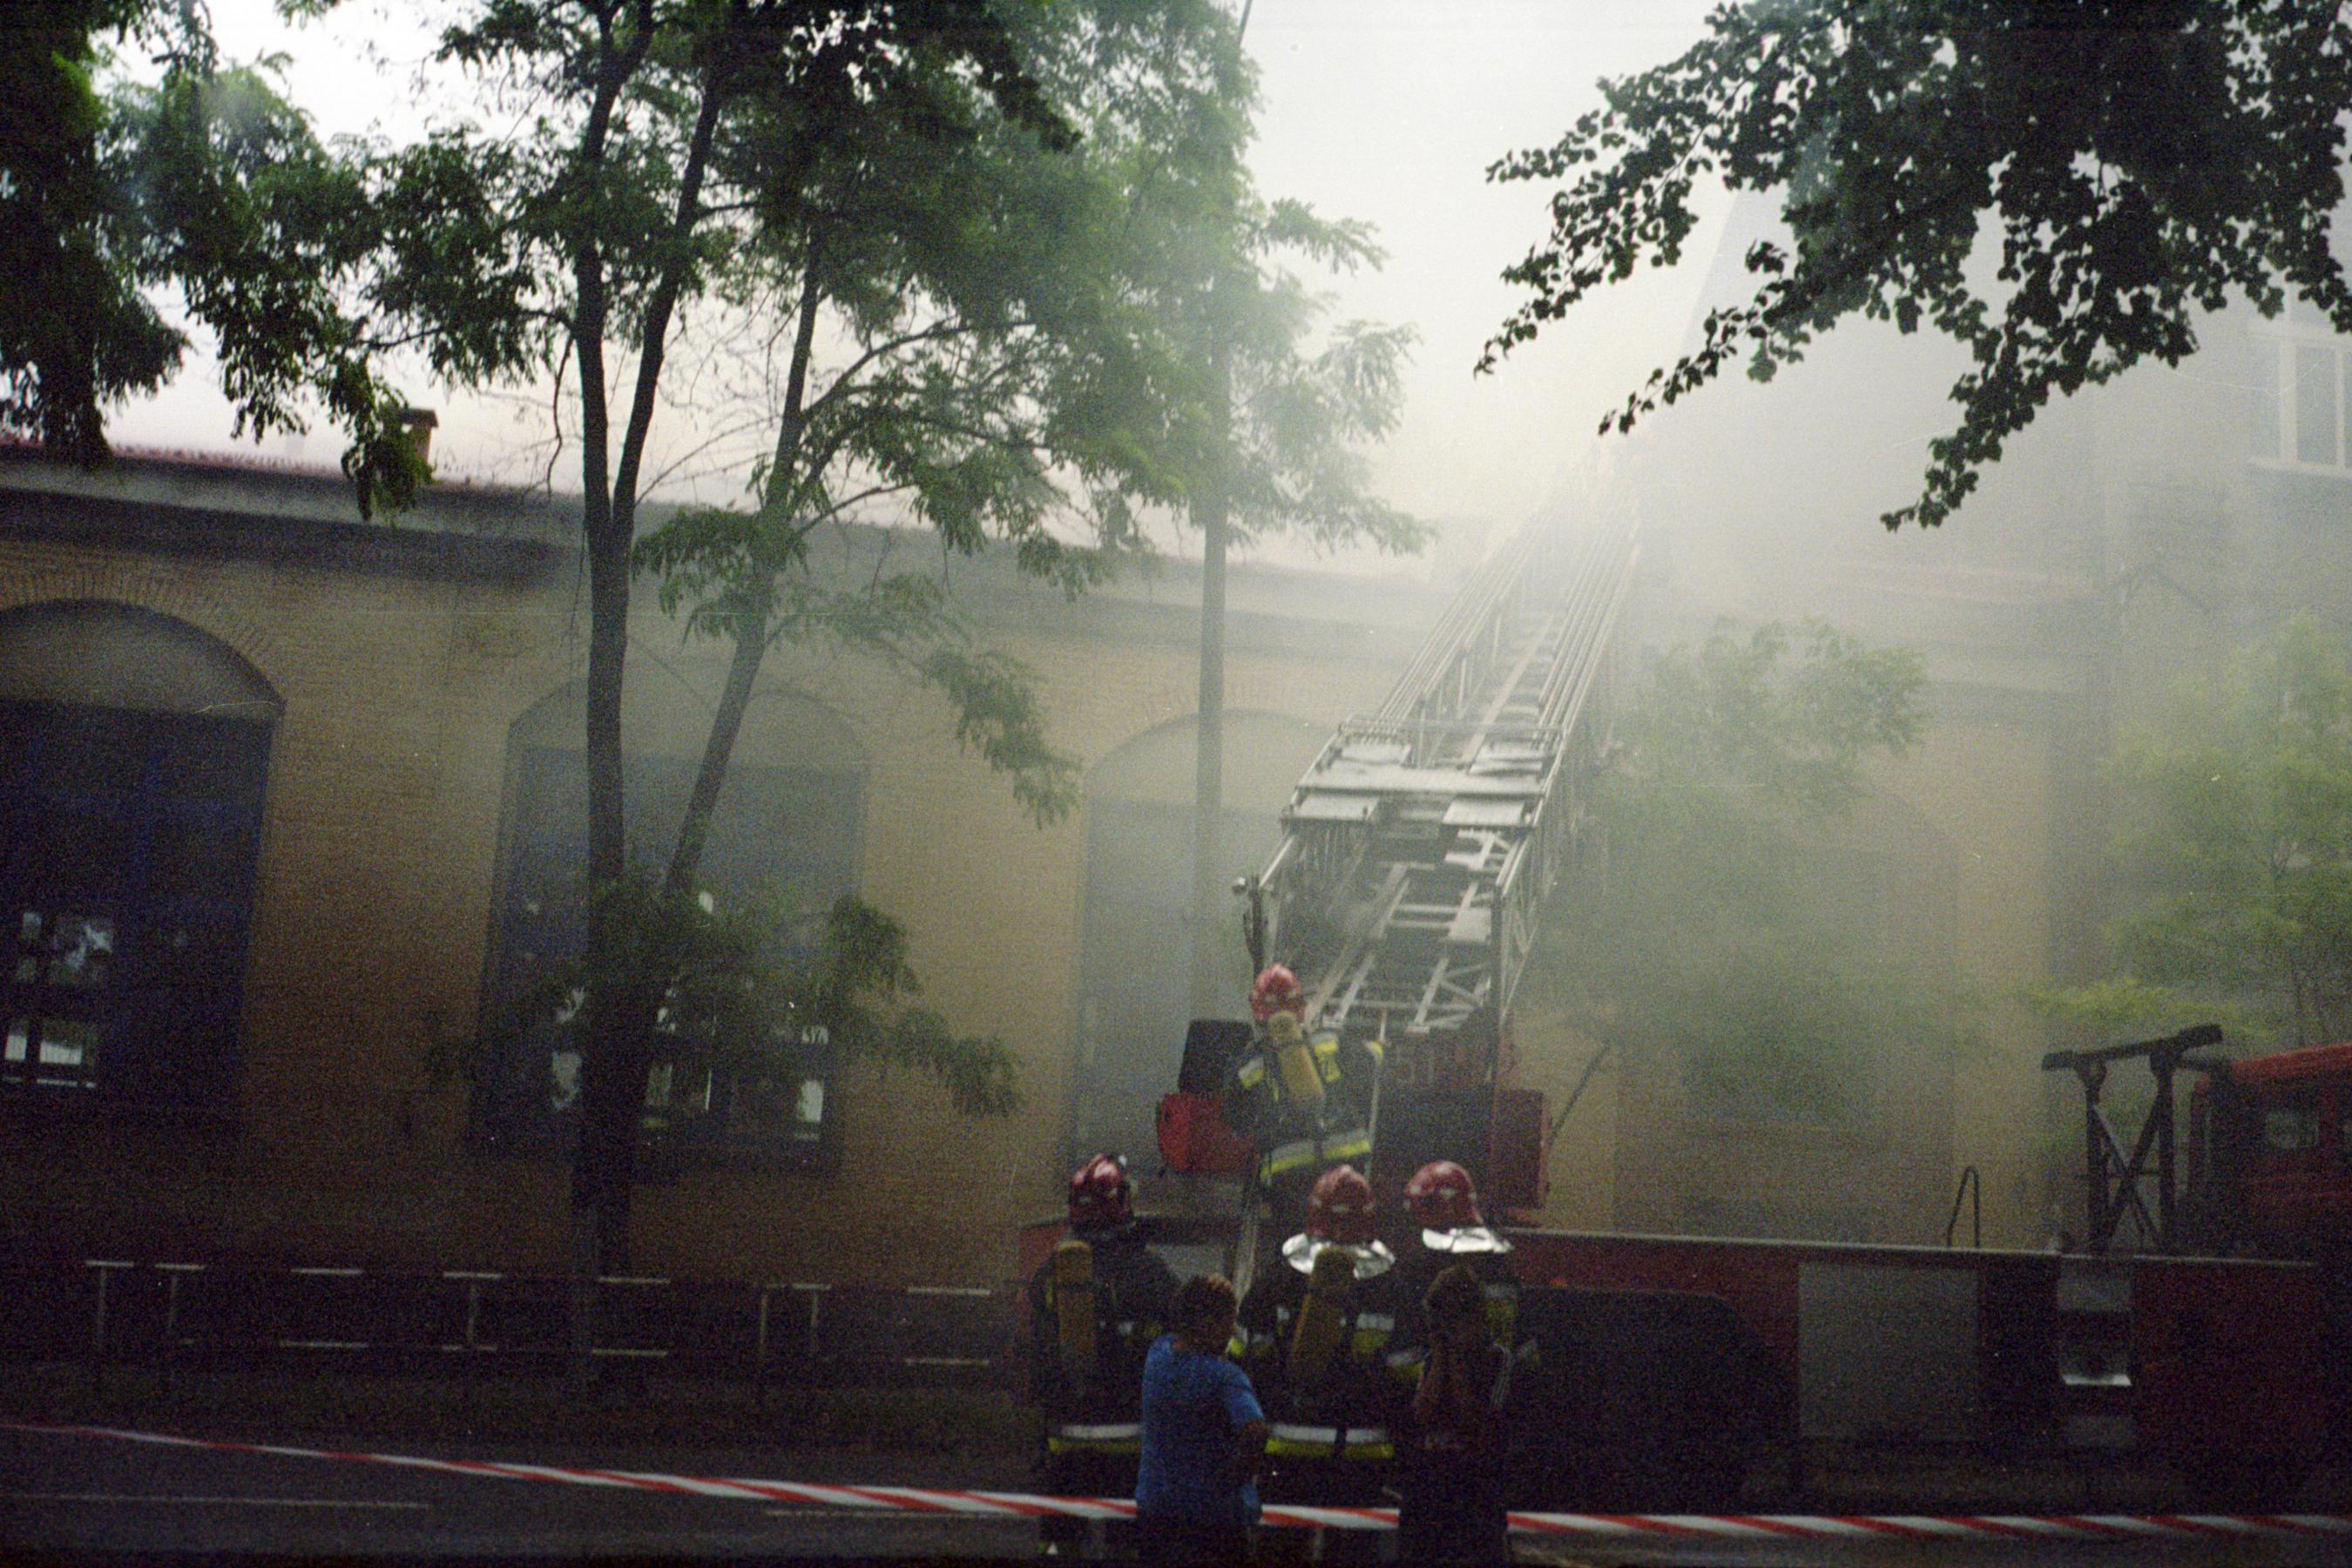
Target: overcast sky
{"type": "Point", "coordinates": [1383, 110]}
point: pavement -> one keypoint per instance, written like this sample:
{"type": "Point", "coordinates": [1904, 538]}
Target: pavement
{"type": "Point", "coordinates": [76, 1496]}
{"type": "Point", "coordinates": [91, 1496]}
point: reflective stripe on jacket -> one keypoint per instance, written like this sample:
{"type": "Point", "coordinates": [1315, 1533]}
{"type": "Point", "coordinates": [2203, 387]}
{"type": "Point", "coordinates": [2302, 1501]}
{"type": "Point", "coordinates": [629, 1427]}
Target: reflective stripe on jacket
{"type": "Point", "coordinates": [1094, 1437]}
{"type": "Point", "coordinates": [1367, 1445]}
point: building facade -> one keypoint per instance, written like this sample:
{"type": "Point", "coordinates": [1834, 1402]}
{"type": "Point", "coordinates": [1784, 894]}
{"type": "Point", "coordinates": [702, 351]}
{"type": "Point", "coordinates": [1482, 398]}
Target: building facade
{"type": "Point", "coordinates": [293, 803]}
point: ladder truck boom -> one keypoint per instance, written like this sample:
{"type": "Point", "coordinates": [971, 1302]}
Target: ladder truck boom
{"type": "Point", "coordinates": [1420, 845]}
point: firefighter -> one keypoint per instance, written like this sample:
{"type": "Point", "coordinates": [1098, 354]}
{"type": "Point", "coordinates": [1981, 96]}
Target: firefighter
{"type": "Point", "coordinates": [1094, 1311]}
{"type": "Point", "coordinates": [1313, 1337]}
{"type": "Point", "coordinates": [1447, 1229]}
{"type": "Point", "coordinates": [1306, 1102]}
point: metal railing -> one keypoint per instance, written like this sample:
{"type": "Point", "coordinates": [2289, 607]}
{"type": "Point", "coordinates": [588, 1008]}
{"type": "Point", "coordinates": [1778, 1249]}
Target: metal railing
{"type": "Point", "coordinates": [172, 1315]}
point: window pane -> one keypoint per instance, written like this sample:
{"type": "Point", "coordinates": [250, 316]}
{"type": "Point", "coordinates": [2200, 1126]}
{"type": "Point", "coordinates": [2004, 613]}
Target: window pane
{"type": "Point", "coordinates": [2290, 1129]}
{"type": "Point", "coordinates": [82, 949]}
{"type": "Point", "coordinates": [129, 861]}
{"type": "Point", "coordinates": [786, 830]}
{"type": "Point", "coordinates": [2344, 404]}
{"type": "Point", "coordinates": [68, 1043]}
{"type": "Point", "coordinates": [2314, 404]}
{"type": "Point", "coordinates": [2262, 410]}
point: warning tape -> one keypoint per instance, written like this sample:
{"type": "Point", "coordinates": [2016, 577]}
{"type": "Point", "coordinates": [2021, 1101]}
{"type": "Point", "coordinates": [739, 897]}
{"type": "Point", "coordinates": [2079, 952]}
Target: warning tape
{"type": "Point", "coordinates": [1750, 1528]}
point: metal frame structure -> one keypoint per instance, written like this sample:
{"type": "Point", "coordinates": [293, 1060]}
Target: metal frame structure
{"type": "Point", "coordinates": [1420, 845]}
{"type": "Point", "coordinates": [2112, 1177]}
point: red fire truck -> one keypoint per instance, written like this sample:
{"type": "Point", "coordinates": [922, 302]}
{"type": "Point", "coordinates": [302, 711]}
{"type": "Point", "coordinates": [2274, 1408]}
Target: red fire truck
{"type": "Point", "coordinates": [2270, 1153]}
{"type": "Point", "coordinates": [1670, 1365]}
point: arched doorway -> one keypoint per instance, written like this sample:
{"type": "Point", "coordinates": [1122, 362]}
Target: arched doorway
{"type": "Point", "coordinates": [134, 749]}
{"type": "Point", "coordinates": [1137, 955]}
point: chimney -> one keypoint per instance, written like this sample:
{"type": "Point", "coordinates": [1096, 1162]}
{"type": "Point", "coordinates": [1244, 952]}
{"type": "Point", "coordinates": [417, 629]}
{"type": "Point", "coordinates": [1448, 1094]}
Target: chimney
{"type": "Point", "coordinates": [419, 424]}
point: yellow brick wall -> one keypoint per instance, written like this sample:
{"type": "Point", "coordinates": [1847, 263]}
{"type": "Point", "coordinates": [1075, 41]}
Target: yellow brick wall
{"type": "Point", "coordinates": [372, 908]}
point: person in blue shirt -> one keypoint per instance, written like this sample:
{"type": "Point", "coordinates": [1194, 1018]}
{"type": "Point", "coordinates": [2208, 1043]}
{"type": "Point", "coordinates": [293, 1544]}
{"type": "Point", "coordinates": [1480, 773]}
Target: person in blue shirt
{"type": "Point", "coordinates": [1203, 1435]}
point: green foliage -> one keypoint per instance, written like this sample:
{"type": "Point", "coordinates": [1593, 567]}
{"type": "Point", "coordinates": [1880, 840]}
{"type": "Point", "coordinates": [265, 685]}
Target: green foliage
{"type": "Point", "coordinates": [1711, 932]}
{"type": "Point", "coordinates": [2236, 823]}
{"type": "Point", "coordinates": [954, 304]}
{"type": "Point", "coordinates": [740, 986]}
{"type": "Point", "coordinates": [2139, 162]}
{"type": "Point", "coordinates": [208, 181]}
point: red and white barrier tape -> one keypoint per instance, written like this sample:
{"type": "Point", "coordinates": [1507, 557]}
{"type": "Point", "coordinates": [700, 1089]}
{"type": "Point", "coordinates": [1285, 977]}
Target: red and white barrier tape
{"type": "Point", "coordinates": [1751, 1527]}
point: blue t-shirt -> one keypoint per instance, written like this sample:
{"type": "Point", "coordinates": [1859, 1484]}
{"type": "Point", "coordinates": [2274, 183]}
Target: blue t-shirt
{"type": "Point", "coordinates": [1193, 1405]}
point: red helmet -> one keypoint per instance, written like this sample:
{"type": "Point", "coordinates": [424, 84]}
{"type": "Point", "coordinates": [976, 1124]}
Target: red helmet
{"type": "Point", "coordinates": [1339, 1209]}
{"type": "Point", "coordinates": [1101, 1197]}
{"type": "Point", "coordinates": [1276, 991]}
{"type": "Point", "coordinates": [1442, 1196]}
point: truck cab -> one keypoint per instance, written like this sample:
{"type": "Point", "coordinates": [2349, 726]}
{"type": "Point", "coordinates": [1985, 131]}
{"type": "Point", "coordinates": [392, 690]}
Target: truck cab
{"type": "Point", "coordinates": [2270, 1151]}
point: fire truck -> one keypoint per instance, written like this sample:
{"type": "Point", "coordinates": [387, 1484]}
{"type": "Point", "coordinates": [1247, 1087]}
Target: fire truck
{"type": "Point", "coordinates": [2195, 1326]}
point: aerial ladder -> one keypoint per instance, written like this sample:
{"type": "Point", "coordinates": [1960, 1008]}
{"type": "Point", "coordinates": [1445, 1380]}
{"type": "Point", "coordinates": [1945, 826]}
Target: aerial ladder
{"type": "Point", "coordinates": [1421, 845]}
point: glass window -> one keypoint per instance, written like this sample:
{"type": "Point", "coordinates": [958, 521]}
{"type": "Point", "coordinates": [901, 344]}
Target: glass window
{"type": "Point", "coordinates": [2264, 417]}
{"type": "Point", "coordinates": [795, 829]}
{"type": "Point", "coordinates": [2315, 421]}
{"type": "Point", "coordinates": [120, 975]}
{"type": "Point", "coordinates": [2299, 394]}
{"type": "Point", "coordinates": [2290, 1129]}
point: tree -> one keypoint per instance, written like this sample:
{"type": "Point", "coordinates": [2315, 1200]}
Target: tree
{"type": "Point", "coordinates": [2140, 161]}
{"type": "Point", "coordinates": [1284, 418]}
{"type": "Point", "coordinates": [1709, 931]}
{"type": "Point", "coordinates": [206, 182]}
{"type": "Point", "coordinates": [966, 296]}
{"type": "Point", "coordinates": [2235, 833]}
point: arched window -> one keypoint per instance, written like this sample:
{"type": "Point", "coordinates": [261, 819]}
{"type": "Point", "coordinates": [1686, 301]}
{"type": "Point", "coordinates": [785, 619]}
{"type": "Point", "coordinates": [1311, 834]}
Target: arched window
{"type": "Point", "coordinates": [788, 823]}
{"type": "Point", "coordinates": [134, 751]}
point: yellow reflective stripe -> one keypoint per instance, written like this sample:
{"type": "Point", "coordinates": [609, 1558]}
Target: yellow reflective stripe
{"type": "Point", "coordinates": [1290, 1156]}
{"type": "Point", "coordinates": [1370, 1342]}
{"type": "Point", "coordinates": [1093, 1445]}
{"type": "Point", "coordinates": [1286, 1441]}
{"type": "Point", "coordinates": [1253, 1073]}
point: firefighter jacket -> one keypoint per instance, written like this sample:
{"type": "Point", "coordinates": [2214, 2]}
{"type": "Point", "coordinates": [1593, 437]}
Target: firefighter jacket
{"type": "Point", "coordinates": [1100, 1410]}
{"type": "Point", "coordinates": [1341, 1413]}
{"type": "Point", "coordinates": [1416, 1270]}
{"type": "Point", "coordinates": [1297, 1142]}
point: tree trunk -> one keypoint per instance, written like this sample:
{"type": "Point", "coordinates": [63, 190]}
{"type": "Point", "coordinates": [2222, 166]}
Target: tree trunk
{"type": "Point", "coordinates": [1211, 911]}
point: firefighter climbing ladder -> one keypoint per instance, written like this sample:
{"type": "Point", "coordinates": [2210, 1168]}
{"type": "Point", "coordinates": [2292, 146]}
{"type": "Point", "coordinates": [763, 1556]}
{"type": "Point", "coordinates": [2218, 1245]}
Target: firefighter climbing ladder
{"type": "Point", "coordinates": [1420, 845]}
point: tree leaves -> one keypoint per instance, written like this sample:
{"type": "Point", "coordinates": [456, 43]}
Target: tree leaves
{"type": "Point", "coordinates": [738, 984]}
{"type": "Point", "coordinates": [2137, 163]}
{"type": "Point", "coordinates": [1710, 933]}
{"type": "Point", "coordinates": [207, 181]}
{"type": "Point", "coordinates": [2237, 823]}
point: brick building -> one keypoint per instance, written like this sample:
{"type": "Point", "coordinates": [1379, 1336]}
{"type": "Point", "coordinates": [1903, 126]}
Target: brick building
{"type": "Point", "coordinates": [288, 797]}
{"type": "Point", "coordinates": [288, 800]}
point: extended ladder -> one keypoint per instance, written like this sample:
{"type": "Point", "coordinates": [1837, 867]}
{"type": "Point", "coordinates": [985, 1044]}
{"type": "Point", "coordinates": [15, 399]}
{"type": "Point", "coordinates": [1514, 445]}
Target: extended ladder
{"type": "Point", "coordinates": [1419, 847]}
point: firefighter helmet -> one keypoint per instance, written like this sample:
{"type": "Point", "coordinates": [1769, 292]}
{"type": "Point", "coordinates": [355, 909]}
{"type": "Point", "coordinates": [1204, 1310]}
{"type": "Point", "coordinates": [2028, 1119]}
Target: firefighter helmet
{"type": "Point", "coordinates": [1276, 991]}
{"type": "Point", "coordinates": [1445, 1203]}
{"type": "Point", "coordinates": [1101, 1196]}
{"type": "Point", "coordinates": [1339, 1214]}
{"type": "Point", "coordinates": [1339, 1209]}
{"type": "Point", "coordinates": [1442, 1196]}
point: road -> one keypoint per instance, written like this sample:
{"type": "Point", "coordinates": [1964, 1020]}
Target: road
{"type": "Point", "coordinates": [63, 1493]}
{"type": "Point", "coordinates": [71, 1494]}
